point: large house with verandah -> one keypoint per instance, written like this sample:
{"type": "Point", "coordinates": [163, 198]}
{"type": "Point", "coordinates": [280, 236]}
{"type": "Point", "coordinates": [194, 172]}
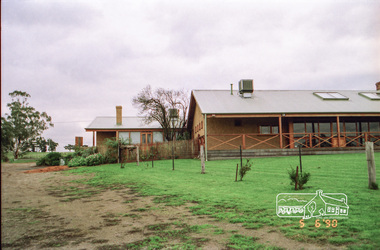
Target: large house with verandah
{"type": "Point", "coordinates": [265, 122]}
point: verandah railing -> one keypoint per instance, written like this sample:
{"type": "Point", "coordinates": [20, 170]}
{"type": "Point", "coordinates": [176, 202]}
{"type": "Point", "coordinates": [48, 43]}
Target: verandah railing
{"type": "Point", "coordinates": [291, 140]}
{"type": "Point", "coordinates": [319, 140]}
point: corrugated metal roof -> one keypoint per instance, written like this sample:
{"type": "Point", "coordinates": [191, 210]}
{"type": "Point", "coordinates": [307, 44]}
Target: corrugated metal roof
{"type": "Point", "coordinates": [282, 101]}
{"type": "Point", "coordinates": [128, 122]}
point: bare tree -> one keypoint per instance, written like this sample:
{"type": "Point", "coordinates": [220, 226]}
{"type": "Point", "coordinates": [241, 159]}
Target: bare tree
{"type": "Point", "coordinates": [155, 105]}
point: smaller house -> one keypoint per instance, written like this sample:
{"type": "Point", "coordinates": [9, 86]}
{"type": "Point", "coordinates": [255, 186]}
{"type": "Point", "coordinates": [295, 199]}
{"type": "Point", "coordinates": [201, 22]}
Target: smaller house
{"type": "Point", "coordinates": [322, 205]}
{"type": "Point", "coordinates": [130, 128]}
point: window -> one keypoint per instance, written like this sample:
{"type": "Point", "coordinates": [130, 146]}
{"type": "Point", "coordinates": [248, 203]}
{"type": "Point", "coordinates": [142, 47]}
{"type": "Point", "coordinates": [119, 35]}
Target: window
{"type": "Point", "coordinates": [330, 96]}
{"type": "Point", "coordinates": [158, 137]}
{"type": "Point", "coordinates": [237, 123]}
{"type": "Point", "coordinates": [299, 127]}
{"type": "Point", "coordinates": [146, 138]}
{"type": "Point", "coordinates": [268, 129]}
{"type": "Point", "coordinates": [264, 129]}
{"type": "Point", "coordinates": [325, 129]}
{"type": "Point", "coordinates": [371, 95]}
{"type": "Point", "coordinates": [374, 126]}
{"type": "Point", "coordinates": [350, 128]}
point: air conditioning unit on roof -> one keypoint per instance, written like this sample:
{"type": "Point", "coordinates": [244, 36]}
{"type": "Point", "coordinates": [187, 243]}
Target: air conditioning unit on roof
{"type": "Point", "coordinates": [246, 87]}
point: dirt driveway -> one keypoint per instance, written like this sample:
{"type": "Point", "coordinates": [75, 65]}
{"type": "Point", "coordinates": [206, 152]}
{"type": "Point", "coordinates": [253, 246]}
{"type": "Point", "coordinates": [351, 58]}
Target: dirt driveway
{"type": "Point", "coordinates": [38, 211]}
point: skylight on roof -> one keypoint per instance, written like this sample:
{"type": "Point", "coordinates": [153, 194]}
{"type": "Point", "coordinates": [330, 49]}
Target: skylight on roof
{"type": "Point", "coordinates": [330, 96]}
{"type": "Point", "coordinates": [371, 95]}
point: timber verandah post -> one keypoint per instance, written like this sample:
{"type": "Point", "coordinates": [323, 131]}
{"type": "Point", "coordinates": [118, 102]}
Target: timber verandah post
{"type": "Point", "coordinates": [338, 129]}
{"type": "Point", "coordinates": [280, 129]}
{"type": "Point", "coordinates": [206, 136]}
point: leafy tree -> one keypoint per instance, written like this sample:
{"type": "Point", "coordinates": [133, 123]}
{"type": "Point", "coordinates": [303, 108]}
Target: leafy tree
{"type": "Point", "coordinates": [52, 145]}
{"type": "Point", "coordinates": [301, 180]}
{"type": "Point", "coordinates": [155, 105]}
{"type": "Point", "coordinates": [41, 143]}
{"type": "Point", "coordinates": [6, 135]}
{"type": "Point", "coordinates": [23, 123]}
{"type": "Point", "coordinates": [69, 147]}
{"type": "Point", "coordinates": [244, 169]}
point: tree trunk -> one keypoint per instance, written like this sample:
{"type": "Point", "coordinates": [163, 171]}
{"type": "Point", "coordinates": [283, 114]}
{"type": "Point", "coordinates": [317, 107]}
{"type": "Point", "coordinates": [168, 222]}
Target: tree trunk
{"type": "Point", "coordinates": [203, 160]}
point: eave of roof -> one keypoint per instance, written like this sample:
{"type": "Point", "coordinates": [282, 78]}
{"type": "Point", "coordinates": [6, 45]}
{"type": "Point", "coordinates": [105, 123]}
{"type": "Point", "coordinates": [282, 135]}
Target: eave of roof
{"type": "Point", "coordinates": [282, 102]}
{"type": "Point", "coordinates": [128, 123]}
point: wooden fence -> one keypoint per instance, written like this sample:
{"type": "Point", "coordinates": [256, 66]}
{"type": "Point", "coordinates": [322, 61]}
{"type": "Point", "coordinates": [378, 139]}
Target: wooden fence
{"type": "Point", "coordinates": [184, 149]}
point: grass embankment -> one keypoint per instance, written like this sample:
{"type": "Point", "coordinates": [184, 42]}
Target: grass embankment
{"type": "Point", "coordinates": [27, 157]}
{"type": "Point", "coordinates": [252, 201]}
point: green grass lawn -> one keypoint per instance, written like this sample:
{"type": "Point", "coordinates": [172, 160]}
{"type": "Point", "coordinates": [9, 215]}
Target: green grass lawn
{"type": "Point", "coordinates": [252, 201]}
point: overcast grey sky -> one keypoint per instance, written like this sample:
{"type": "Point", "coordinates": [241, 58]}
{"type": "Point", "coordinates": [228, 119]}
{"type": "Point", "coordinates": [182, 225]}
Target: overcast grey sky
{"type": "Point", "coordinates": [80, 58]}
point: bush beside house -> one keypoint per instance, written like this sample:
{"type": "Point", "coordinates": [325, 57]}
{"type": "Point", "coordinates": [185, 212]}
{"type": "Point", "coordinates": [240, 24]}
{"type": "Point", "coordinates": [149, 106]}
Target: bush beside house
{"type": "Point", "coordinates": [51, 159]}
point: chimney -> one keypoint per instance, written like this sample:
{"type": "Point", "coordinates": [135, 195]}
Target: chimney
{"type": "Point", "coordinates": [378, 86]}
{"type": "Point", "coordinates": [119, 115]}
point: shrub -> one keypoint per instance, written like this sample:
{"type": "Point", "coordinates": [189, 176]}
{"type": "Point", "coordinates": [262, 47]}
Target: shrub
{"type": "Point", "coordinates": [110, 159]}
{"type": "Point", "coordinates": [112, 147]}
{"type": "Point", "coordinates": [68, 157]}
{"type": "Point", "coordinates": [244, 169]}
{"type": "Point", "coordinates": [95, 159]}
{"type": "Point", "coordinates": [77, 161]}
{"type": "Point", "coordinates": [51, 159]}
{"type": "Point", "coordinates": [301, 180]}
{"type": "Point", "coordinates": [85, 151]}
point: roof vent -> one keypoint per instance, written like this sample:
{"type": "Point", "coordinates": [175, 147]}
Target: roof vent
{"type": "Point", "coordinates": [246, 88]}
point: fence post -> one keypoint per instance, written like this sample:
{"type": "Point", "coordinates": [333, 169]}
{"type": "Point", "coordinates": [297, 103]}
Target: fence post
{"type": "Point", "coordinates": [173, 153]}
{"type": "Point", "coordinates": [296, 178]}
{"type": "Point", "coordinates": [300, 156]}
{"type": "Point", "coordinates": [370, 164]}
{"type": "Point", "coordinates": [203, 160]}
{"type": "Point", "coordinates": [152, 157]}
{"type": "Point", "coordinates": [237, 170]}
{"type": "Point", "coordinates": [241, 158]}
{"type": "Point", "coordinates": [138, 155]}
